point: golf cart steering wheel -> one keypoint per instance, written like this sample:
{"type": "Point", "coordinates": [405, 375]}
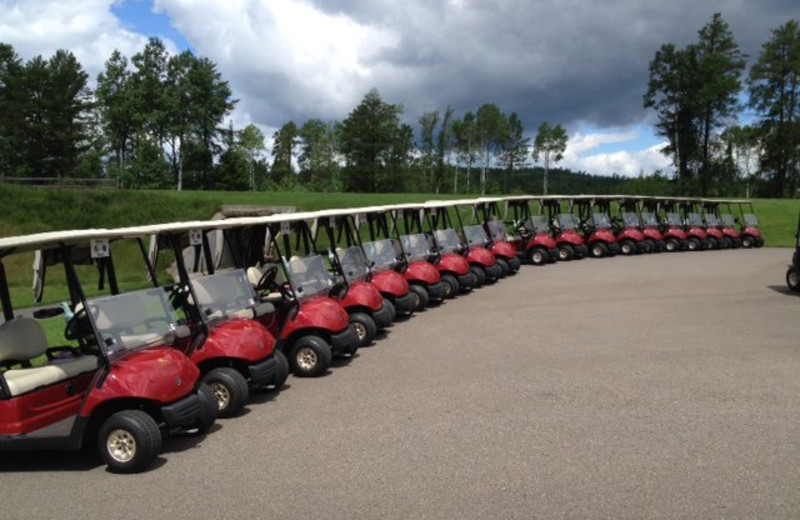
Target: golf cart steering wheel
{"type": "Point", "coordinates": [179, 296]}
{"type": "Point", "coordinates": [72, 328]}
{"type": "Point", "coordinates": [267, 279]}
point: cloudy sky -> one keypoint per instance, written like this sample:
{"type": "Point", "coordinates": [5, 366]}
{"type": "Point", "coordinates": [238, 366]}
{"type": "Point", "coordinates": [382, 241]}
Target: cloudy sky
{"type": "Point", "coordinates": [579, 63]}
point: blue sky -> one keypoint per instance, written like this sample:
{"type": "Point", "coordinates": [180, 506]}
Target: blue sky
{"type": "Point", "coordinates": [139, 16]}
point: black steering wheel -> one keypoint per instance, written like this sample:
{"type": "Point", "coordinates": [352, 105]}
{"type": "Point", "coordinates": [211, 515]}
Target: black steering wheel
{"type": "Point", "coordinates": [79, 320]}
{"type": "Point", "coordinates": [179, 296]}
{"type": "Point", "coordinates": [267, 279]}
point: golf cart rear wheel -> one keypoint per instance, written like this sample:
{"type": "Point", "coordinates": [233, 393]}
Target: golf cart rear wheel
{"type": "Point", "coordinates": [391, 307]}
{"type": "Point", "coordinates": [129, 441]}
{"type": "Point", "coordinates": [793, 279]}
{"type": "Point", "coordinates": [672, 245]}
{"type": "Point", "coordinates": [627, 247]}
{"type": "Point", "coordinates": [451, 286]}
{"type": "Point", "coordinates": [365, 328]}
{"type": "Point", "coordinates": [230, 388]}
{"type": "Point", "coordinates": [651, 245]}
{"type": "Point", "coordinates": [599, 250]}
{"type": "Point", "coordinates": [713, 243]}
{"type": "Point", "coordinates": [759, 242]}
{"type": "Point", "coordinates": [514, 264]}
{"type": "Point", "coordinates": [420, 295]}
{"type": "Point", "coordinates": [282, 372]}
{"type": "Point", "coordinates": [539, 256]}
{"type": "Point", "coordinates": [565, 252]}
{"type": "Point", "coordinates": [504, 268]}
{"type": "Point", "coordinates": [694, 244]}
{"type": "Point", "coordinates": [208, 409]}
{"type": "Point", "coordinates": [479, 274]}
{"type": "Point", "coordinates": [310, 356]}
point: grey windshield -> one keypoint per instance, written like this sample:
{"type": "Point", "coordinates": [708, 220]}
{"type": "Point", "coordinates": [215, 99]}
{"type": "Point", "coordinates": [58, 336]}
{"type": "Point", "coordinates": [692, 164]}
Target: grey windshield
{"type": "Point", "coordinates": [649, 219]}
{"type": "Point", "coordinates": [694, 219]}
{"type": "Point", "coordinates": [382, 253]}
{"type": "Point", "coordinates": [750, 220]}
{"type": "Point", "coordinates": [673, 219]}
{"type": "Point", "coordinates": [540, 225]}
{"type": "Point", "coordinates": [601, 220]}
{"type": "Point", "coordinates": [728, 220]}
{"type": "Point", "coordinates": [447, 240]}
{"type": "Point", "coordinates": [220, 296]}
{"type": "Point", "coordinates": [567, 221]}
{"type": "Point", "coordinates": [631, 219]}
{"type": "Point", "coordinates": [134, 320]}
{"type": "Point", "coordinates": [309, 276]}
{"type": "Point", "coordinates": [354, 263]}
{"type": "Point", "coordinates": [497, 229]}
{"type": "Point", "coordinates": [416, 246]}
{"type": "Point", "coordinates": [475, 235]}
{"type": "Point", "coordinates": [712, 220]}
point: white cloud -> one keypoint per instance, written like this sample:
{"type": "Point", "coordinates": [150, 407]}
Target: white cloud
{"type": "Point", "coordinates": [627, 163]}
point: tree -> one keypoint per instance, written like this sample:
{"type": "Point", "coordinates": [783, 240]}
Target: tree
{"type": "Point", "coordinates": [179, 101]}
{"type": "Point", "coordinates": [116, 107]}
{"type": "Point", "coordinates": [774, 86]}
{"type": "Point", "coordinates": [515, 145]}
{"type": "Point", "coordinates": [491, 124]}
{"type": "Point", "coordinates": [550, 144]}
{"type": "Point", "coordinates": [427, 123]}
{"type": "Point", "coordinates": [443, 147]}
{"type": "Point", "coordinates": [233, 169]}
{"type": "Point", "coordinates": [11, 110]}
{"type": "Point", "coordinates": [465, 132]}
{"type": "Point", "coordinates": [319, 154]}
{"type": "Point", "coordinates": [151, 106]}
{"type": "Point", "coordinates": [283, 148]}
{"type": "Point", "coordinates": [251, 142]}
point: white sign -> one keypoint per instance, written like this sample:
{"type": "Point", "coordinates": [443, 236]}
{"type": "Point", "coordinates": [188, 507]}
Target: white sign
{"type": "Point", "coordinates": [100, 248]}
{"type": "Point", "coordinates": [195, 237]}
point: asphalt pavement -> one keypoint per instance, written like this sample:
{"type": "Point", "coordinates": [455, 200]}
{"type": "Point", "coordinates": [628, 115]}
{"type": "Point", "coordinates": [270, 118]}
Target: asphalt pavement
{"type": "Point", "coordinates": [660, 386]}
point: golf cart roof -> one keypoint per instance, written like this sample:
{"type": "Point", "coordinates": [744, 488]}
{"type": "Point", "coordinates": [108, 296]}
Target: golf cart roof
{"type": "Point", "coordinates": [52, 239]}
{"type": "Point", "coordinates": [449, 203]}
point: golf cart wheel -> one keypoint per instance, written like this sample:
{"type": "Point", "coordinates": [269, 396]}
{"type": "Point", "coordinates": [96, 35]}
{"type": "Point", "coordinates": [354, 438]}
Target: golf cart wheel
{"type": "Point", "coordinates": [365, 328]}
{"type": "Point", "coordinates": [230, 390]}
{"type": "Point", "coordinates": [793, 279]}
{"type": "Point", "coordinates": [420, 295]}
{"type": "Point", "coordinates": [627, 247]}
{"type": "Point", "coordinates": [479, 274]}
{"type": "Point", "coordinates": [208, 409]}
{"type": "Point", "coordinates": [451, 286]}
{"type": "Point", "coordinates": [651, 245]}
{"type": "Point", "coordinates": [565, 252]}
{"type": "Point", "coordinates": [504, 268]}
{"type": "Point", "coordinates": [514, 264]}
{"type": "Point", "coordinates": [391, 307]}
{"type": "Point", "coordinates": [759, 242]}
{"type": "Point", "coordinates": [748, 241]}
{"type": "Point", "coordinates": [310, 356]}
{"type": "Point", "coordinates": [694, 244]}
{"type": "Point", "coordinates": [282, 372]}
{"type": "Point", "coordinates": [539, 256]}
{"type": "Point", "coordinates": [129, 441]}
{"type": "Point", "coordinates": [599, 250]}
{"type": "Point", "coordinates": [712, 243]}
{"type": "Point", "coordinates": [672, 245]}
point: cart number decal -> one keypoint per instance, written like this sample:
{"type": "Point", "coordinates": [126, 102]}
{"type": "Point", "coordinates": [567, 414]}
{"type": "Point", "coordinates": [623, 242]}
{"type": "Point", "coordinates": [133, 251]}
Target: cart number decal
{"type": "Point", "coordinates": [100, 248]}
{"type": "Point", "coordinates": [285, 228]}
{"type": "Point", "coordinates": [195, 237]}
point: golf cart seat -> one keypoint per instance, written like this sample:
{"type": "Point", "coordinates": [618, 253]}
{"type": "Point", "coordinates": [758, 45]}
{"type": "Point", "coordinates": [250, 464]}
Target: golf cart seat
{"type": "Point", "coordinates": [22, 340]}
{"type": "Point", "coordinates": [254, 275]}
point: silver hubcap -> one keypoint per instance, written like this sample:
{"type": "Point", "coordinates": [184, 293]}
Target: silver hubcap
{"type": "Point", "coordinates": [670, 246]}
{"type": "Point", "coordinates": [597, 251]}
{"type": "Point", "coordinates": [222, 394]}
{"type": "Point", "coordinates": [562, 254]}
{"type": "Point", "coordinates": [307, 358]}
{"type": "Point", "coordinates": [794, 278]}
{"type": "Point", "coordinates": [537, 257]}
{"type": "Point", "coordinates": [361, 330]}
{"type": "Point", "coordinates": [121, 446]}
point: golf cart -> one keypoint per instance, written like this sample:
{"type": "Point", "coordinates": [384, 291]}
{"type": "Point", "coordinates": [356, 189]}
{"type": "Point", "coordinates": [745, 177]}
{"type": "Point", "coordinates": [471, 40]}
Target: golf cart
{"type": "Point", "coordinates": [406, 254]}
{"type": "Point", "coordinates": [725, 222]}
{"type": "Point", "coordinates": [673, 237]}
{"type": "Point", "coordinates": [230, 346]}
{"type": "Point", "coordinates": [696, 238]}
{"type": "Point", "coordinates": [441, 248]}
{"type": "Point", "coordinates": [630, 210]}
{"type": "Point", "coordinates": [119, 383]}
{"type": "Point", "coordinates": [626, 226]}
{"type": "Point", "coordinates": [533, 241]}
{"type": "Point", "coordinates": [596, 227]}
{"type": "Point", "coordinates": [486, 212]}
{"type": "Point", "coordinates": [793, 273]}
{"type": "Point", "coordinates": [565, 229]}
{"type": "Point", "coordinates": [693, 215]}
{"type": "Point", "coordinates": [749, 232]}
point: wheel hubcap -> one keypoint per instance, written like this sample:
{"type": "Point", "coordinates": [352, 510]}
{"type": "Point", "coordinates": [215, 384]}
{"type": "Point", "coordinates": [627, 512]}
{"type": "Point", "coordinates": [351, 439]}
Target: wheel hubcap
{"type": "Point", "coordinates": [794, 279]}
{"type": "Point", "coordinates": [537, 257]}
{"type": "Point", "coordinates": [361, 330]}
{"type": "Point", "coordinates": [562, 254]}
{"type": "Point", "coordinates": [222, 394]}
{"type": "Point", "coordinates": [307, 358]}
{"type": "Point", "coordinates": [121, 446]}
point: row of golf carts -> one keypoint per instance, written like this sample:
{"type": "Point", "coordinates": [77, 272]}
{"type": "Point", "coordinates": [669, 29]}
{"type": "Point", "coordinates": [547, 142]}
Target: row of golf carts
{"type": "Point", "coordinates": [236, 304]}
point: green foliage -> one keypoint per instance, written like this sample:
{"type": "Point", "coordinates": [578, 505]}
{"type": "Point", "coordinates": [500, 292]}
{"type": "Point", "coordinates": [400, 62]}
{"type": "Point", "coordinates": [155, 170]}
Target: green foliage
{"type": "Point", "coordinates": [285, 141]}
{"type": "Point", "coordinates": [319, 155]}
{"type": "Point", "coordinates": [550, 144]}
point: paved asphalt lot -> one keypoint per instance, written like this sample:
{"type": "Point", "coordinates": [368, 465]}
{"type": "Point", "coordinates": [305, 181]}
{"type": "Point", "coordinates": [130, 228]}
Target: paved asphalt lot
{"type": "Point", "coordinates": [660, 386]}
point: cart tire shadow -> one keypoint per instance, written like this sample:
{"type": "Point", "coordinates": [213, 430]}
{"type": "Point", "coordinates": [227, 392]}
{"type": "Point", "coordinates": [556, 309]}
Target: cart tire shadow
{"type": "Point", "coordinates": [782, 289]}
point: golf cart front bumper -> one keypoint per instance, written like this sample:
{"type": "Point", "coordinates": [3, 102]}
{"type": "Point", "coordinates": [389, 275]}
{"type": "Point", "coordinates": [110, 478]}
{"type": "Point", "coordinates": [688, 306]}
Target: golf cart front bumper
{"type": "Point", "coordinates": [493, 272]}
{"type": "Point", "coordinates": [383, 316]}
{"type": "Point", "coordinates": [466, 281]}
{"type": "Point", "coordinates": [263, 372]}
{"type": "Point", "coordinates": [183, 412]}
{"type": "Point", "coordinates": [405, 304]}
{"type": "Point", "coordinates": [346, 342]}
{"type": "Point", "coordinates": [436, 291]}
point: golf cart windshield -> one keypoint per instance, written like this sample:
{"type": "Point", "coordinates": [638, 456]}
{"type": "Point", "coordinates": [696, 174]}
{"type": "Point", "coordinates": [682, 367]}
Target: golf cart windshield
{"type": "Point", "coordinates": [416, 246]}
{"type": "Point", "coordinates": [601, 221]}
{"type": "Point", "coordinates": [695, 219]}
{"type": "Point", "coordinates": [475, 235]}
{"type": "Point", "coordinates": [134, 321]}
{"type": "Point", "coordinates": [309, 276]}
{"type": "Point", "coordinates": [649, 219]}
{"type": "Point", "coordinates": [631, 219]}
{"type": "Point", "coordinates": [220, 296]}
{"type": "Point", "coordinates": [673, 219]}
{"type": "Point", "coordinates": [711, 220]}
{"type": "Point", "coordinates": [497, 229]}
{"type": "Point", "coordinates": [354, 263]}
{"type": "Point", "coordinates": [381, 253]}
{"type": "Point", "coordinates": [447, 240]}
{"type": "Point", "coordinates": [539, 224]}
{"type": "Point", "coordinates": [728, 220]}
{"type": "Point", "coordinates": [750, 220]}
{"type": "Point", "coordinates": [567, 221]}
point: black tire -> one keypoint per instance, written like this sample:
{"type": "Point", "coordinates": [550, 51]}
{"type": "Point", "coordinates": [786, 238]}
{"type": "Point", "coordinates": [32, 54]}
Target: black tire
{"type": "Point", "coordinates": [712, 243]}
{"type": "Point", "coordinates": [208, 409]}
{"type": "Point", "coordinates": [793, 279]}
{"type": "Point", "coordinates": [598, 250]}
{"type": "Point", "coordinates": [391, 307]}
{"type": "Point", "coordinates": [539, 256]}
{"type": "Point", "coordinates": [420, 295]}
{"type": "Point", "coordinates": [365, 328]}
{"type": "Point", "coordinates": [671, 245]}
{"type": "Point", "coordinates": [504, 268]}
{"type": "Point", "coordinates": [627, 247]}
{"type": "Point", "coordinates": [129, 441]}
{"type": "Point", "coordinates": [514, 264]}
{"type": "Point", "coordinates": [694, 244]}
{"type": "Point", "coordinates": [566, 252]}
{"type": "Point", "coordinates": [651, 245]}
{"type": "Point", "coordinates": [230, 388]}
{"type": "Point", "coordinates": [282, 372]}
{"type": "Point", "coordinates": [451, 286]}
{"type": "Point", "coordinates": [748, 241]}
{"type": "Point", "coordinates": [310, 356]}
{"type": "Point", "coordinates": [479, 274]}
{"type": "Point", "coordinates": [759, 242]}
